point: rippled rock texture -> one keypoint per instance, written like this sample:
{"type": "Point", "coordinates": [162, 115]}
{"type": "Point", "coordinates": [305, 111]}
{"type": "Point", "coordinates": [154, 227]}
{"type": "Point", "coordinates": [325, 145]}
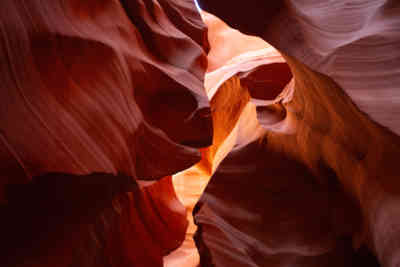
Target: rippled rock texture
{"type": "Point", "coordinates": [353, 42]}
{"type": "Point", "coordinates": [101, 101]}
{"type": "Point", "coordinates": [318, 186]}
{"type": "Point", "coordinates": [305, 192]}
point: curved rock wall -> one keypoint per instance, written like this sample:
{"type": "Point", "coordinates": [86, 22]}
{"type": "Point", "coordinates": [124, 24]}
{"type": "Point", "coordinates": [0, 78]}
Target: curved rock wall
{"type": "Point", "coordinates": [319, 186]}
{"type": "Point", "coordinates": [101, 101]}
{"type": "Point", "coordinates": [96, 98]}
{"type": "Point", "coordinates": [312, 192]}
{"type": "Point", "coordinates": [353, 42]}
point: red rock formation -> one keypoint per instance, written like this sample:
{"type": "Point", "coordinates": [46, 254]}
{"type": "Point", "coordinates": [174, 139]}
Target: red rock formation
{"type": "Point", "coordinates": [230, 110]}
{"type": "Point", "coordinates": [103, 100]}
{"type": "Point", "coordinates": [354, 43]}
{"type": "Point", "coordinates": [110, 87]}
{"type": "Point", "coordinates": [234, 56]}
{"type": "Point", "coordinates": [287, 198]}
{"type": "Point", "coordinates": [222, 48]}
{"type": "Point", "coordinates": [318, 187]}
{"type": "Point", "coordinates": [93, 220]}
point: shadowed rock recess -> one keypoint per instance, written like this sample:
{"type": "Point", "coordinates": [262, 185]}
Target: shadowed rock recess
{"type": "Point", "coordinates": [281, 118]}
{"type": "Point", "coordinates": [101, 101]}
{"type": "Point", "coordinates": [320, 185]}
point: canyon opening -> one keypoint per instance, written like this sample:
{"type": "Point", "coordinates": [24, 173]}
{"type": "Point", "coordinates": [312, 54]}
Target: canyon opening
{"type": "Point", "coordinates": [207, 133]}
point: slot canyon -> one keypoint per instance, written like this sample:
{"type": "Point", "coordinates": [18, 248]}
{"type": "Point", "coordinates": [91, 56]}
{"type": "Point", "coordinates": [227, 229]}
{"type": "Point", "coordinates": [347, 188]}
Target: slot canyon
{"type": "Point", "coordinates": [215, 133]}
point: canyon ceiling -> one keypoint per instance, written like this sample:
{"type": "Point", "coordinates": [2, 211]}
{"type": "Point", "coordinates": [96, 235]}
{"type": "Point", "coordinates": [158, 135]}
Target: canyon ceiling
{"type": "Point", "coordinates": [286, 112]}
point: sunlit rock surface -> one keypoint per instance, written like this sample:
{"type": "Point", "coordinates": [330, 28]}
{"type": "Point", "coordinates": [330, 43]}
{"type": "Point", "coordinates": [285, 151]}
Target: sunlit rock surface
{"type": "Point", "coordinates": [229, 100]}
{"type": "Point", "coordinates": [102, 101]}
{"type": "Point", "coordinates": [318, 187]}
{"type": "Point", "coordinates": [308, 196]}
{"type": "Point", "coordinates": [353, 42]}
{"type": "Point", "coordinates": [234, 116]}
{"type": "Point", "coordinates": [96, 97]}
{"type": "Point", "coordinates": [189, 186]}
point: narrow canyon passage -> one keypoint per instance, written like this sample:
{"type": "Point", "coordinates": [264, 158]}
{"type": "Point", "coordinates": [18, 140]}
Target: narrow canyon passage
{"type": "Point", "coordinates": [207, 133]}
{"type": "Point", "coordinates": [188, 185]}
{"type": "Point", "coordinates": [255, 64]}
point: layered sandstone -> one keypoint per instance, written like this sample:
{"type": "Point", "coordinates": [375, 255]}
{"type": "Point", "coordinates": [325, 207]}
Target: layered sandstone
{"type": "Point", "coordinates": [318, 187]}
{"type": "Point", "coordinates": [101, 101]}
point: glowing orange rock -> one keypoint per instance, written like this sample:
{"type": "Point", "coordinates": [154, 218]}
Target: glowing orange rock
{"type": "Point", "coordinates": [319, 186]}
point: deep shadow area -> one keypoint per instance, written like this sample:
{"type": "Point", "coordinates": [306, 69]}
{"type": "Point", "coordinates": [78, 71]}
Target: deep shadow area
{"type": "Point", "coordinates": [267, 81]}
{"type": "Point", "coordinates": [51, 209]}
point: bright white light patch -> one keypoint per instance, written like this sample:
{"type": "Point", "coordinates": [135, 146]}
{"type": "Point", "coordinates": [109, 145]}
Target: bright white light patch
{"type": "Point", "coordinates": [197, 5]}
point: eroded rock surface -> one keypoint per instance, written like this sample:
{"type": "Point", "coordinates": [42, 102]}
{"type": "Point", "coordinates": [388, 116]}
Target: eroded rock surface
{"type": "Point", "coordinates": [353, 42]}
{"type": "Point", "coordinates": [97, 95]}
{"type": "Point", "coordinates": [311, 196]}
{"type": "Point", "coordinates": [319, 186]}
{"type": "Point", "coordinates": [101, 101]}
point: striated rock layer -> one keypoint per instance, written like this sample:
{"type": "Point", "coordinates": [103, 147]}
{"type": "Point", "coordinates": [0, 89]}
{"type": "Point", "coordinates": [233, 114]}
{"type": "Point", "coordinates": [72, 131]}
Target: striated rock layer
{"type": "Point", "coordinates": [96, 97]}
{"type": "Point", "coordinates": [353, 42]}
{"type": "Point", "coordinates": [102, 101]}
{"type": "Point", "coordinates": [319, 185]}
{"type": "Point", "coordinates": [230, 108]}
{"type": "Point", "coordinates": [312, 196]}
